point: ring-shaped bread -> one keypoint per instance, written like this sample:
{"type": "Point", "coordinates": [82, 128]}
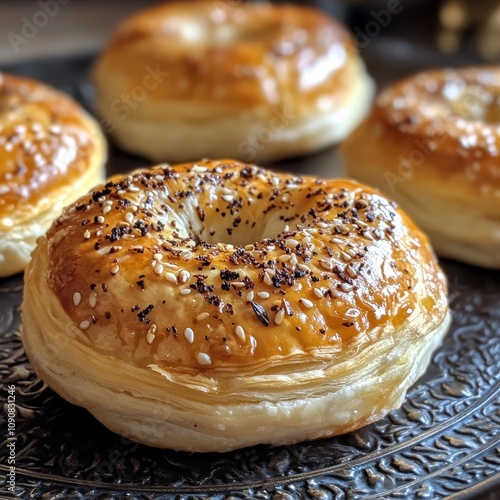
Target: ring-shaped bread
{"type": "Point", "coordinates": [432, 142]}
{"type": "Point", "coordinates": [51, 152]}
{"type": "Point", "coordinates": [256, 81]}
{"type": "Point", "coordinates": [217, 305]}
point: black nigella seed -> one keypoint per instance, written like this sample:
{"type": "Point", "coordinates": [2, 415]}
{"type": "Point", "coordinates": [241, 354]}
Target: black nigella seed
{"type": "Point", "coordinates": [261, 313]}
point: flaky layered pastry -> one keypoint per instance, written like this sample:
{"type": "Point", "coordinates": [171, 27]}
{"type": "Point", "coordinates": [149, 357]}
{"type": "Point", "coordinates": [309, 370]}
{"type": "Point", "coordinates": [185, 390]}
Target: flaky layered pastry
{"type": "Point", "coordinates": [216, 305]}
{"type": "Point", "coordinates": [51, 152]}
{"type": "Point", "coordinates": [186, 80]}
{"type": "Point", "coordinates": [432, 142]}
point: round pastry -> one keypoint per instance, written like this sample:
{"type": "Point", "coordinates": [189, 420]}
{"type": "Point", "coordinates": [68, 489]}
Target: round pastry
{"type": "Point", "coordinates": [211, 306]}
{"type": "Point", "coordinates": [432, 143]}
{"type": "Point", "coordinates": [186, 80]}
{"type": "Point", "coordinates": [51, 151]}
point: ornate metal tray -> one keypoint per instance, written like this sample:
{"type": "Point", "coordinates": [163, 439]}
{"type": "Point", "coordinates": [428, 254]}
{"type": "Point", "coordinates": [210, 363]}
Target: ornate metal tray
{"type": "Point", "coordinates": [444, 442]}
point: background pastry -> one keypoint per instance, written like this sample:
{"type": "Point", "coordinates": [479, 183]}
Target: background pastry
{"type": "Point", "coordinates": [186, 80]}
{"type": "Point", "coordinates": [51, 151]}
{"type": "Point", "coordinates": [148, 304]}
{"type": "Point", "coordinates": [432, 142]}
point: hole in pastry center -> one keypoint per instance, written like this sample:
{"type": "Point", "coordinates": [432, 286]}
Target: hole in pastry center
{"type": "Point", "coordinates": [243, 234]}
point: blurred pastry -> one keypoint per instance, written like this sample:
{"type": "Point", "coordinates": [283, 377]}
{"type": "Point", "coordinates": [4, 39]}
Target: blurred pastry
{"type": "Point", "coordinates": [51, 151]}
{"type": "Point", "coordinates": [256, 81]}
{"type": "Point", "coordinates": [432, 142]}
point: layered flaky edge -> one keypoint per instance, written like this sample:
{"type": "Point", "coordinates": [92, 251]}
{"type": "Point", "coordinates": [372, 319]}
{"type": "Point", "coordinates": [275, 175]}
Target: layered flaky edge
{"type": "Point", "coordinates": [17, 242]}
{"type": "Point", "coordinates": [457, 228]}
{"type": "Point", "coordinates": [172, 131]}
{"type": "Point", "coordinates": [282, 401]}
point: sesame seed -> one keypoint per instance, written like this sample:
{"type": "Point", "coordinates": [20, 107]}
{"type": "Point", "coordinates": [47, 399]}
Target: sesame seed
{"type": "Point", "coordinates": [85, 325]}
{"type": "Point", "coordinates": [106, 209]}
{"type": "Point", "coordinates": [346, 287]}
{"type": "Point", "coordinates": [318, 292]}
{"type": "Point", "coordinates": [284, 258]}
{"type": "Point", "coordinates": [307, 239]}
{"type": "Point", "coordinates": [238, 284]}
{"type": "Point", "coordinates": [227, 197]}
{"type": "Point", "coordinates": [77, 298]}
{"type": "Point", "coordinates": [198, 168]}
{"type": "Point", "coordinates": [368, 235]}
{"type": "Point", "coordinates": [307, 303]}
{"type": "Point", "coordinates": [133, 189]}
{"type": "Point", "coordinates": [186, 254]}
{"type": "Point", "coordinates": [340, 266]}
{"type": "Point", "coordinates": [115, 269]}
{"type": "Point", "coordinates": [303, 267]}
{"type": "Point", "coordinates": [4, 189]}
{"type": "Point", "coordinates": [171, 277]}
{"type": "Point", "coordinates": [93, 299]}
{"type": "Point", "coordinates": [129, 217]}
{"type": "Point", "coordinates": [351, 272]}
{"type": "Point", "coordinates": [346, 256]}
{"type": "Point", "coordinates": [291, 243]}
{"type": "Point", "coordinates": [268, 280]}
{"type": "Point", "coordinates": [159, 256]}
{"type": "Point", "coordinates": [169, 265]}
{"type": "Point", "coordinates": [184, 276]}
{"type": "Point", "coordinates": [263, 295]}
{"type": "Point", "coordinates": [249, 248]}
{"type": "Point", "coordinates": [203, 359]}
{"type": "Point", "coordinates": [101, 219]}
{"type": "Point", "coordinates": [250, 295]}
{"type": "Point", "coordinates": [189, 335]}
{"type": "Point", "coordinates": [158, 269]}
{"type": "Point", "coordinates": [275, 181]}
{"type": "Point", "coordinates": [279, 317]}
{"type": "Point", "coordinates": [185, 291]}
{"type": "Point", "coordinates": [285, 198]}
{"type": "Point", "coordinates": [86, 234]}
{"type": "Point", "coordinates": [151, 335]}
{"type": "Point", "coordinates": [326, 264]}
{"type": "Point", "coordinates": [202, 316]}
{"type": "Point", "coordinates": [240, 332]}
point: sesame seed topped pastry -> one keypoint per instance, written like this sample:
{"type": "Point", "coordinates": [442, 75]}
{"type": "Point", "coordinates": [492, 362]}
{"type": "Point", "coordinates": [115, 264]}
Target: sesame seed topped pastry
{"type": "Point", "coordinates": [432, 141]}
{"type": "Point", "coordinates": [51, 151]}
{"type": "Point", "coordinates": [185, 80]}
{"type": "Point", "coordinates": [217, 305]}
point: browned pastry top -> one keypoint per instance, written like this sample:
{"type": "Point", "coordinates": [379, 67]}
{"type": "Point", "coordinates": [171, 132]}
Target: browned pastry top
{"type": "Point", "coordinates": [218, 264]}
{"type": "Point", "coordinates": [243, 55]}
{"type": "Point", "coordinates": [45, 144]}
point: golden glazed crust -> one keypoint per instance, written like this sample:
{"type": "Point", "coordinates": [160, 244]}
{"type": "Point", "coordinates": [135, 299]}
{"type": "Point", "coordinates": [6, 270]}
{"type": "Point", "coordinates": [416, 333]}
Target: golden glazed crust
{"type": "Point", "coordinates": [195, 78]}
{"type": "Point", "coordinates": [432, 142]}
{"type": "Point", "coordinates": [50, 152]}
{"type": "Point", "coordinates": [235, 290]}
